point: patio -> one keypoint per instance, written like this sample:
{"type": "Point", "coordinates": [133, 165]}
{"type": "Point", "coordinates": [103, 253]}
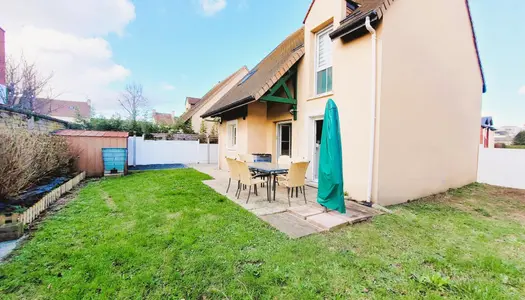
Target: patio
{"type": "Point", "coordinates": [297, 220]}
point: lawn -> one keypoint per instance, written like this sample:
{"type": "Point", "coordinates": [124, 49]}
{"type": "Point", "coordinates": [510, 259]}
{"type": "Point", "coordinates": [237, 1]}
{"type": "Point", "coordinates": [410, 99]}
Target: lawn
{"type": "Point", "coordinates": [164, 234]}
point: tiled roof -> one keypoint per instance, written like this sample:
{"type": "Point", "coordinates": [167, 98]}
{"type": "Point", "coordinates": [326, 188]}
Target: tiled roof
{"type": "Point", "coordinates": [264, 75]}
{"type": "Point", "coordinates": [192, 100]}
{"type": "Point", "coordinates": [209, 95]}
{"type": "Point", "coordinates": [91, 133]}
{"type": "Point", "coordinates": [375, 9]}
{"type": "Point", "coordinates": [62, 108]}
{"type": "Point", "coordinates": [163, 118]}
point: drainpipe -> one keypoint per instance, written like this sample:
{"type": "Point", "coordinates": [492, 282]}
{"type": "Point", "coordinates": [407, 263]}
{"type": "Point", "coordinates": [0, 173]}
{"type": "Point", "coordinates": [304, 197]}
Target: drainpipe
{"type": "Point", "coordinates": [373, 108]}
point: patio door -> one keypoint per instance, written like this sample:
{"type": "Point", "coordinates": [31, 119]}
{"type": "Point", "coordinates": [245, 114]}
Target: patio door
{"type": "Point", "coordinates": [318, 132]}
{"type": "Point", "coordinates": [284, 139]}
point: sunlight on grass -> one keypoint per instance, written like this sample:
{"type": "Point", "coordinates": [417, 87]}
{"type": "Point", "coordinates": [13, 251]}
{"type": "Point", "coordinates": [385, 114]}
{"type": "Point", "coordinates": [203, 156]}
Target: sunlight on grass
{"type": "Point", "coordinates": [162, 234]}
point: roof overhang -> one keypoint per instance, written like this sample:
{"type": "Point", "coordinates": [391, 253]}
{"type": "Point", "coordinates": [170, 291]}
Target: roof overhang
{"type": "Point", "coordinates": [352, 30]}
{"type": "Point", "coordinates": [229, 107]}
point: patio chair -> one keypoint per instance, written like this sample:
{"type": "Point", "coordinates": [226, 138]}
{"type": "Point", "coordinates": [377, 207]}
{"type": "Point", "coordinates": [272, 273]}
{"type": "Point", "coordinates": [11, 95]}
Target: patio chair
{"type": "Point", "coordinates": [284, 160]}
{"type": "Point", "coordinates": [247, 179]}
{"type": "Point", "coordinates": [296, 179]}
{"type": "Point", "coordinates": [245, 157]}
{"type": "Point", "coordinates": [234, 172]}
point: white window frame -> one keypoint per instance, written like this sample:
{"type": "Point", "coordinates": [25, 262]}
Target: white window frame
{"type": "Point", "coordinates": [328, 28]}
{"type": "Point", "coordinates": [231, 141]}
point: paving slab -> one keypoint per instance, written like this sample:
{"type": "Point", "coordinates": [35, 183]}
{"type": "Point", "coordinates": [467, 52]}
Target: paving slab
{"type": "Point", "coordinates": [327, 221]}
{"type": "Point", "coordinates": [351, 217]}
{"type": "Point", "coordinates": [306, 211]}
{"type": "Point", "coordinates": [291, 225]}
{"type": "Point", "coordinates": [263, 211]}
{"type": "Point", "coordinates": [312, 216]}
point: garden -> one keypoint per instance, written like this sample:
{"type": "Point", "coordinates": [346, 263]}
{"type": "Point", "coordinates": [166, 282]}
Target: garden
{"type": "Point", "coordinates": [165, 234]}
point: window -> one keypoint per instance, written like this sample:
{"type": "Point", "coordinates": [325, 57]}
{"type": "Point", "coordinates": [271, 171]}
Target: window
{"type": "Point", "coordinates": [243, 80]}
{"type": "Point", "coordinates": [232, 134]}
{"type": "Point", "coordinates": [323, 61]}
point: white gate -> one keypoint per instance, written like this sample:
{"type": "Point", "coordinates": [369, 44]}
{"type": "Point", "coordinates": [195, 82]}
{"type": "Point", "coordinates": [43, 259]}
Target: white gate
{"type": "Point", "coordinates": [149, 152]}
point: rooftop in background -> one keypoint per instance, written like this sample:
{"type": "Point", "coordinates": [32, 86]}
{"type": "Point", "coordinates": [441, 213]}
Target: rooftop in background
{"type": "Point", "coordinates": [267, 72]}
{"type": "Point", "coordinates": [192, 100]}
{"type": "Point", "coordinates": [63, 109]}
{"type": "Point", "coordinates": [209, 95]}
{"type": "Point", "coordinates": [91, 133]}
{"type": "Point", "coordinates": [163, 118]}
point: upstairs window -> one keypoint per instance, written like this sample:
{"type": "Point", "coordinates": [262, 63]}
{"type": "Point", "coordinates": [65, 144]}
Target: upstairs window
{"type": "Point", "coordinates": [323, 61]}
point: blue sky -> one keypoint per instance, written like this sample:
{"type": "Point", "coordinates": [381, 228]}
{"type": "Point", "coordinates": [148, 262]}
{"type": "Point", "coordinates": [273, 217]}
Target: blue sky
{"type": "Point", "coordinates": [501, 39]}
{"type": "Point", "coordinates": [175, 44]}
{"type": "Point", "coordinates": [179, 48]}
{"type": "Point", "coordinates": [176, 50]}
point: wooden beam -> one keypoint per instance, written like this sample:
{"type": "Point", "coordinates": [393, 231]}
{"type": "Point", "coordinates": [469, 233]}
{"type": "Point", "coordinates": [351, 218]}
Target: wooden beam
{"type": "Point", "coordinates": [270, 98]}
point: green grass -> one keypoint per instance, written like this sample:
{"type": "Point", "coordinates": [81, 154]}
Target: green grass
{"type": "Point", "coordinates": [164, 234]}
{"type": "Point", "coordinates": [515, 146]}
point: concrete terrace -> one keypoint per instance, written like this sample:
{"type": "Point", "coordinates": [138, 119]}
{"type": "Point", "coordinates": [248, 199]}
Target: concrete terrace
{"type": "Point", "coordinates": [297, 220]}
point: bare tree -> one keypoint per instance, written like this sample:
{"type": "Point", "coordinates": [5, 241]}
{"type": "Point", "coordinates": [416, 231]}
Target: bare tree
{"type": "Point", "coordinates": [24, 83]}
{"type": "Point", "coordinates": [132, 100]}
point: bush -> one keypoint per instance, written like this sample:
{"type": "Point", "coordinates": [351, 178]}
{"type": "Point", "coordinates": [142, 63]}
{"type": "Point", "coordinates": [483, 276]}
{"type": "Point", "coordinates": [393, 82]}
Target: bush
{"type": "Point", "coordinates": [27, 158]}
{"type": "Point", "coordinates": [519, 139]}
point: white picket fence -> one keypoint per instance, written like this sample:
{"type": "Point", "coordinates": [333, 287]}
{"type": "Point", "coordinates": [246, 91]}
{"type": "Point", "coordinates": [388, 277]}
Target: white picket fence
{"type": "Point", "coordinates": [502, 167]}
{"type": "Point", "coordinates": [147, 152]}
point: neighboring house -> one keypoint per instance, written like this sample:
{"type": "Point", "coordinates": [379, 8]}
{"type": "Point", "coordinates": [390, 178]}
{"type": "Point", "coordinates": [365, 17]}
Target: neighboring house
{"type": "Point", "coordinates": [390, 66]}
{"type": "Point", "coordinates": [2, 64]}
{"type": "Point", "coordinates": [69, 111]}
{"type": "Point", "coordinates": [486, 134]}
{"type": "Point", "coordinates": [191, 101]}
{"type": "Point", "coordinates": [193, 115]}
{"type": "Point", "coordinates": [506, 134]}
{"type": "Point", "coordinates": [163, 118]}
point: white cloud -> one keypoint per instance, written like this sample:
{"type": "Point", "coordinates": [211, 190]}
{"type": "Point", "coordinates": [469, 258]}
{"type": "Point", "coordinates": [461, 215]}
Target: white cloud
{"type": "Point", "coordinates": [67, 38]}
{"type": "Point", "coordinates": [167, 87]}
{"type": "Point", "coordinates": [211, 7]}
{"type": "Point", "coordinates": [521, 91]}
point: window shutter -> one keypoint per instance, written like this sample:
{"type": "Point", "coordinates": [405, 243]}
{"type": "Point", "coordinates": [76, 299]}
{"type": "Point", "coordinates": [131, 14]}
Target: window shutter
{"type": "Point", "coordinates": [324, 59]}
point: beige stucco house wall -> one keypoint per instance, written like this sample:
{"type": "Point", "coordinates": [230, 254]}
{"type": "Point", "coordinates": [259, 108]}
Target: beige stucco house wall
{"type": "Point", "coordinates": [428, 81]}
{"type": "Point", "coordinates": [351, 92]}
{"type": "Point", "coordinates": [431, 83]}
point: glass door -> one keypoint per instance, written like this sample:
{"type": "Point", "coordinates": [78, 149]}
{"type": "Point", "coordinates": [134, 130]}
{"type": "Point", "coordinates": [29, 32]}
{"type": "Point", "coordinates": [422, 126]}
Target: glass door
{"type": "Point", "coordinates": [318, 132]}
{"type": "Point", "coordinates": [284, 139]}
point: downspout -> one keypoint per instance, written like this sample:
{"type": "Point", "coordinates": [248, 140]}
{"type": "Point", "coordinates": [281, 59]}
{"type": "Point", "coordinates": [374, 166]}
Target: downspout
{"type": "Point", "coordinates": [373, 109]}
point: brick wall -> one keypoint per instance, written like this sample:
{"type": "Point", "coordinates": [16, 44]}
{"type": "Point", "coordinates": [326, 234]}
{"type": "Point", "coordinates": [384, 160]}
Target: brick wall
{"type": "Point", "coordinates": [15, 119]}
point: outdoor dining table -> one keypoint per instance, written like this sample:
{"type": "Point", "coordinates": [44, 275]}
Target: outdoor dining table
{"type": "Point", "coordinates": [271, 170]}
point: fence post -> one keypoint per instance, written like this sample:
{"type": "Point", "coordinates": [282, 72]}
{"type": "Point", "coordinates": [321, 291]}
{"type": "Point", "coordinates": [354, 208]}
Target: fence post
{"type": "Point", "coordinates": [208, 139]}
{"type": "Point", "coordinates": [134, 149]}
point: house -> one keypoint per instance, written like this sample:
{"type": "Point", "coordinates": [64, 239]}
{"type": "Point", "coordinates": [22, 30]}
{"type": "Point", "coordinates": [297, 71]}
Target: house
{"type": "Point", "coordinates": [486, 134]}
{"type": "Point", "coordinates": [388, 65]}
{"type": "Point", "coordinates": [193, 114]}
{"type": "Point", "coordinates": [2, 64]}
{"type": "Point", "coordinates": [69, 111]}
{"type": "Point", "coordinates": [505, 134]}
{"type": "Point", "coordinates": [190, 102]}
{"type": "Point", "coordinates": [165, 119]}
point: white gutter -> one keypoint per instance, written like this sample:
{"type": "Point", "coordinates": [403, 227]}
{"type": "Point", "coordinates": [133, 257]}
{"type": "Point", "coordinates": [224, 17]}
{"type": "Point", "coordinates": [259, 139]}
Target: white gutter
{"type": "Point", "coordinates": [373, 107]}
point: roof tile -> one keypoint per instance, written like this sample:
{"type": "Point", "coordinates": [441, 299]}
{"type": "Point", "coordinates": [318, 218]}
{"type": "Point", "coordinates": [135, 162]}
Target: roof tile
{"type": "Point", "coordinates": [274, 64]}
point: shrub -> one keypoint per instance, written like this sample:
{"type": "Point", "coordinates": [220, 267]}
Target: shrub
{"type": "Point", "coordinates": [27, 158]}
{"type": "Point", "coordinates": [519, 139]}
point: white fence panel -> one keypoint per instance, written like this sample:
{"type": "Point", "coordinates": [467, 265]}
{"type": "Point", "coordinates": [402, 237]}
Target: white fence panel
{"type": "Point", "coordinates": [502, 167]}
{"type": "Point", "coordinates": [147, 152]}
{"type": "Point", "coordinates": [208, 153]}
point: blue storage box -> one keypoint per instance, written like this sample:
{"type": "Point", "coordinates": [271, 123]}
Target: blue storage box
{"type": "Point", "coordinates": [114, 160]}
